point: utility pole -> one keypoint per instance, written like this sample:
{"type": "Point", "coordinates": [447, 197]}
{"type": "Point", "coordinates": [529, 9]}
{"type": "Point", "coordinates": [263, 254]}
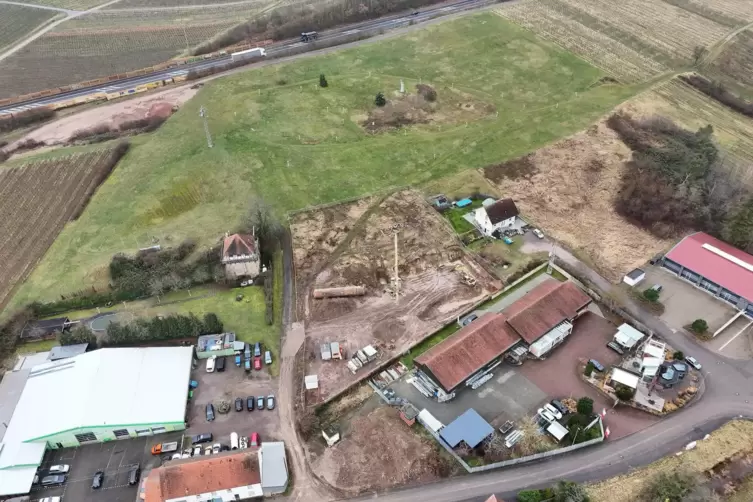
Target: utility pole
{"type": "Point", "coordinates": [203, 115]}
{"type": "Point", "coordinates": [188, 47]}
{"type": "Point", "coordinates": [397, 278]}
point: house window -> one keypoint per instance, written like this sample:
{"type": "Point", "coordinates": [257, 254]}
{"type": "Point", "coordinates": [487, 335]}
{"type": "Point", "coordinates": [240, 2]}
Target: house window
{"type": "Point", "coordinates": [121, 433]}
{"type": "Point", "coordinates": [159, 430]}
{"type": "Point", "coordinates": [86, 437]}
{"type": "Point", "coordinates": [143, 432]}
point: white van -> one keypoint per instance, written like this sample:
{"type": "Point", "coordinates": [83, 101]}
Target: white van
{"type": "Point", "coordinates": [233, 440]}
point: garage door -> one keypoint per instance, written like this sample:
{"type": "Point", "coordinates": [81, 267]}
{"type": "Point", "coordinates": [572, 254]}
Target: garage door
{"type": "Point", "coordinates": [674, 267]}
{"type": "Point", "coordinates": [687, 274]}
{"type": "Point", "coordinates": [729, 297]}
{"type": "Point", "coordinates": [709, 286]}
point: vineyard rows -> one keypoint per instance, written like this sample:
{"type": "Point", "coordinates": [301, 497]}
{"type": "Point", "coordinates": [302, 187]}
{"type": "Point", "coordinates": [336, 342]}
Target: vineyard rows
{"type": "Point", "coordinates": [129, 4]}
{"type": "Point", "coordinates": [57, 59]}
{"type": "Point", "coordinates": [36, 201]}
{"type": "Point", "coordinates": [736, 62]}
{"type": "Point", "coordinates": [688, 106]}
{"type": "Point", "coordinates": [734, 9]}
{"type": "Point", "coordinates": [67, 4]}
{"type": "Point", "coordinates": [547, 19]}
{"type": "Point", "coordinates": [106, 20]}
{"type": "Point", "coordinates": [668, 28]}
{"type": "Point", "coordinates": [17, 22]}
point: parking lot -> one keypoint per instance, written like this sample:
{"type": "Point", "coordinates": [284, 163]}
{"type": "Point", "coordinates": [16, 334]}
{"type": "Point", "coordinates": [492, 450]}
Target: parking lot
{"type": "Point", "coordinates": [684, 303]}
{"type": "Point", "coordinates": [115, 458]}
{"type": "Point", "coordinates": [228, 385]}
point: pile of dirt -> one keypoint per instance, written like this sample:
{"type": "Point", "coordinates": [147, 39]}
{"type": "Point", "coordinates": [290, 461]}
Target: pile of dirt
{"type": "Point", "coordinates": [568, 189]}
{"type": "Point", "coordinates": [380, 452]}
{"type": "Point", "coordinates": [401, 112]}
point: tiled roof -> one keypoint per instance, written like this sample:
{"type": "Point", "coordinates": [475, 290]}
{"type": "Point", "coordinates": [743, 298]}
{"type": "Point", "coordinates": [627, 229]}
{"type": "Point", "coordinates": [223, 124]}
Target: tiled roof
{"type": "Point", "coordinates": [468, 350]}
{"type": "Point", "coordinates": [544, 307]}
{"type": "Point", "coordinates": [238, 245]}
{"type": "Point", "coordinates": [501, 210]}
{"type": "Point", "coordinates": [717, 261]}
{"type": "Point", "coordinates": [203, 476]}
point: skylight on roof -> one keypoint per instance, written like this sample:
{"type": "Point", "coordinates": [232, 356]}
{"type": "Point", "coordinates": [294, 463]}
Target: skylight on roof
{"type": "Point", "coordinates": [737, 261]}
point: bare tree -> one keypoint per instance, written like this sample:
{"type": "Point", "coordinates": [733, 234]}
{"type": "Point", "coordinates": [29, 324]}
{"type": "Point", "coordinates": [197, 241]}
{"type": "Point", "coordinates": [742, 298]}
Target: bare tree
{"type": "Point", "coordinates": [262, 221]}
{"type": "Point", "coordinates": [699, 52]}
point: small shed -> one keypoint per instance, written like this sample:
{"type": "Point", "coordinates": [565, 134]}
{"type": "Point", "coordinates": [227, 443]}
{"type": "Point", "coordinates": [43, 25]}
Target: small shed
{"type": "Point", "coordinates": [634, 277]}
{"type": "Point", "coordinates": [469, 428]}
{"type": "Point", "coordinates": [464, 203]}
{"type": "Point", "coordinates": [429, 421]}
{"type": "Point", "coordinates": [557, 430]}
{"type": "Point", "coordinates": [625, 378]}
{"type": "Point", "coordinates": [335, 351]}
{"type": "Point", "coordinates": [311, 382]}
{"type": "Point", "coordinates": [627, 336]}
{"type": "Point", "coordinates": [408, 413]}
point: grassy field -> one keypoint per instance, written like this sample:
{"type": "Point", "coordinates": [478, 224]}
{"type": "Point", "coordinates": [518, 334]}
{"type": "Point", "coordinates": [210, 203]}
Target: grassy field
{"type": "Point", "coordinates": [279, 135]}
{"type": "Point", "coordinates": [17, 22]}
{"type": "Point", "coordinates": [632, 40]}
{"type": "Point", "coordinates": [105, 43]}
{"type": "Point", "coordinates": [734, 65]}
{"type": "Point", "coordinates": [67, 4]}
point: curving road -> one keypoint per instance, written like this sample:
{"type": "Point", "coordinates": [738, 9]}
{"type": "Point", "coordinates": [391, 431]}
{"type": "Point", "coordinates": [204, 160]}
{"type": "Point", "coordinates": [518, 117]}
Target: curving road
{"type": "Point", "coordinates": [381, 24]}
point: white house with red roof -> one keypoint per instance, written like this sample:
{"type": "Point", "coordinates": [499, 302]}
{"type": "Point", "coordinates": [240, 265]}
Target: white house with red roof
{"type": "Point", "coordinates": [240, 256]}
{"type": "Point", "coordinates": [715, 266]}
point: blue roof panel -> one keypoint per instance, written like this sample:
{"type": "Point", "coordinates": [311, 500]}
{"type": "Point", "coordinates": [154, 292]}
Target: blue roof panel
{"type": "Point", "coordinates": [463, 203]}
{"type": "Point", "coordinates": [469, 427]}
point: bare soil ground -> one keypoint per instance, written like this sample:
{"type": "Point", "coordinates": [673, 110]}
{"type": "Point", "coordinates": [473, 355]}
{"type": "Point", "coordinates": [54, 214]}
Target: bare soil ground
{"type": "Point", "coordinates": [156, 104]}
{"type": "Point", "coordinates": [567, 189]}
{"type": "Point", "coordinates": [728, 442]}
{"type": "Point", "coordinates": [365, 461]}
{"type": "Point", "coordinates": [353, 244]}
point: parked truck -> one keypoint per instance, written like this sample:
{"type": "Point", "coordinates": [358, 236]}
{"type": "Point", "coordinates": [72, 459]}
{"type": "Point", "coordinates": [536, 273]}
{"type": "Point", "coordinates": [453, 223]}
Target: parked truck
{"type": "Point", "coordinates": [160, 448]}
{"type": "Point", "coordinates": [256, 52]}
{"type": "Point", "coordinates": [247, 358]}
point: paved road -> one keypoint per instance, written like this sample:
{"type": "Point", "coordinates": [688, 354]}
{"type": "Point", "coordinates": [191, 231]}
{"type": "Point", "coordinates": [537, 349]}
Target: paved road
{"type": "Point", "coordinates": [381, 24]}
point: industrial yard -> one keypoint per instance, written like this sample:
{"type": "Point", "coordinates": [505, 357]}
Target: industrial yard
{"type": "Point", "coordinates": [353, 244]}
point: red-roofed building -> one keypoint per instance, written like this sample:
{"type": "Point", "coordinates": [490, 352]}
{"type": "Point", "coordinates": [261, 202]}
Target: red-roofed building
{"type": "Point", "coordinates": [723, 270]}
{"type": "Point", "coordinates": [541, 319]}
{"type": "Point", "coordinates": [224, 477]}
{"type": "Point", "coordinates": [240, 255]}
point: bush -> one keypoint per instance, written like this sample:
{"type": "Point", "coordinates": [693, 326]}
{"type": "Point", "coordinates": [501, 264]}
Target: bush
{"type": "Point", "coordinates": [212, 323]}
{"type": "Point", "coordinates": [670, 487]}
{"type": "Point", "coordinates": [718, 92]}
{"type": "Point", "coordinates": [380, 100]}
{"type": "Point", "coordinates": [589, 369]}
{"type": "Point", "coordinates": [624, 393]}
{"type": "Point", "coordinates": [171, 327]}
{"type": "Point", "coordinates": [79, 334]}
{"type": "Point", "coordinates": [530, 496]}
{"type": "Point", "coordinates": [699, 326]}
{"type": "Point", "coordinates": [323, 81]}
{"type": "Point", "coordinates": [269, 314]}
{"type": "Point", "coordinates": [585, 406]}
{"type": "Point", "coordinates": [26, 118]}
{"type": "Point", "coordinates": [651, 295]}
{"type": "Point", "coordinates": [678, 355]}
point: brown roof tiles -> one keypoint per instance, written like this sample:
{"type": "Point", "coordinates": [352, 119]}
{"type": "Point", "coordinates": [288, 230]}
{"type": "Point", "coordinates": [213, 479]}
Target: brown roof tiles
{"type": "Point", "coordinates": [501, 210]}
{"type": "Point", "coordinates": [238, 245]}
{"type": "Point", "coordinates": [469, 350]}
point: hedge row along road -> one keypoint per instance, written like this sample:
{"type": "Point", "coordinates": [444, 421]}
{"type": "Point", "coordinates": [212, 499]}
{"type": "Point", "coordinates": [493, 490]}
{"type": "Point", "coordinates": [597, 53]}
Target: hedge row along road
{"type": "Point", "coordinates": [382, 24]}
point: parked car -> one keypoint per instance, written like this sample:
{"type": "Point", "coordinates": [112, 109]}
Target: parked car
{"type": "Point", "coordinates": [388, 393]}
{"type": "Point", "coordinates": [99, 478]}
{"type": "Point", "coordinates": [216, 448]}
{"type": "Point", "coordinates": [247, 282]}
{"type": "Point", "coordinates": [468, 319]}
{"type": "Point", "coordinates": [538, 233]}
{"type": "Point", "coordinates": [271, 402]}
{"type": "Point", "coordinates": [616, 347]}
{"type": "Point", "coordinates": [693, 362]}
{"type": "Point", "coordinates": [176, 456]}
{"type": "Point", "coordinates": [554, 411]}
{"type": "Point", "coordinates": [267, 358]}
{"type": "Point", "coordinates": [657, 287]}
{"type": "Point", "coordinates": [260, 402]}
{"type": "Point", "coordinates": [560, 407]}
{"type": "Point", "coordinates": [257, 349]}
{"type": "Point", "coordinates": [210, 412]}
{"type": "Point", "coordinates": [255, 439]}
{"type": "Point", "coordinates": [257, 363]}
{"type": "Point", "coordinates": [202, 438]}
{"type": "Point", "coordinates": [56, 479]}
{"type": "Point", "coordinates": [196, 451]}
{"type": "Point", "coordinates": [238, 404]}
{"type": "Point", "coordinates": [597, 365]}
{"type": "Point", "coordinates": [210, 364]}
{"type": "Point", "coordinates": [220, 363]}
{"type": "Point", "coordinates": [546, 415]}
{"type": "Point", "coordinates": [250, 403]}
{"type": "Point", "coordinates": [59, 469]}
{"type": "Point", "coordinates": [50, 499]}
{"type": "Point", "coordinates": [134, 475]}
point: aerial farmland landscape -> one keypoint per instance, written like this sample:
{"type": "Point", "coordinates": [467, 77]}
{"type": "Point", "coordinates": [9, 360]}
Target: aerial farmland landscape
{"type": "Point", "coordinates": [344, 249]}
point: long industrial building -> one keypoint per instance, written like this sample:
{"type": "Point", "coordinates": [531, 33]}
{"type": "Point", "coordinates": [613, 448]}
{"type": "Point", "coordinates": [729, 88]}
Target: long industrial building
{"type": "Point", "coordinates": [103, 395]}
{"type": "Point", "coordinates": [710, 264]}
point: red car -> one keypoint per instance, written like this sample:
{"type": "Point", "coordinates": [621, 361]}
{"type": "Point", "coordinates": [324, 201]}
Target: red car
{"type": "Point", "coordinates": [257, 363]}
{"type": "Point", "coordinates": [254, 439]}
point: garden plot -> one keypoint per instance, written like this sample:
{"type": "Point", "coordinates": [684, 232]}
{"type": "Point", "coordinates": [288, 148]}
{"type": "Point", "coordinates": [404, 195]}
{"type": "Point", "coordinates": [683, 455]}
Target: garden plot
{"type": "Point", "coordinates": [567, 189]}
{"type": "Point", "coordinates": [438, 280]}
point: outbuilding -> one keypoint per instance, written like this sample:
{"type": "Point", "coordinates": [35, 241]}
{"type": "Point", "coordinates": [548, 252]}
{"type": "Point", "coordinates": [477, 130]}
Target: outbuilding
{"type": "Point", "coordinates": [634, 277]}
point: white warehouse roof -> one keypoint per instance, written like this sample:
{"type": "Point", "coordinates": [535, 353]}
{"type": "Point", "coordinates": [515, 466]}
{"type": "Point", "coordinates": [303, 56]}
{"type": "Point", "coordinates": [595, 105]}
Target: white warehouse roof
{"type": "Point", "coordinates": [107, 387]}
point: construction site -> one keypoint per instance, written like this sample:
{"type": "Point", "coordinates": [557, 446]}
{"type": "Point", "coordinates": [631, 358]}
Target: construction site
{"type": "Point", "coordinates": [374, 277]}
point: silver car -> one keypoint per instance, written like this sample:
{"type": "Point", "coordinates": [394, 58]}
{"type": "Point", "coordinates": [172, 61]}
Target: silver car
{"type": "Point", "coordinates": [693, 362]}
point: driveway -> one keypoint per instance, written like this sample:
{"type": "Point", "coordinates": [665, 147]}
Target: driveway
{"type": "Point", "coordinates": [559, 375]}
